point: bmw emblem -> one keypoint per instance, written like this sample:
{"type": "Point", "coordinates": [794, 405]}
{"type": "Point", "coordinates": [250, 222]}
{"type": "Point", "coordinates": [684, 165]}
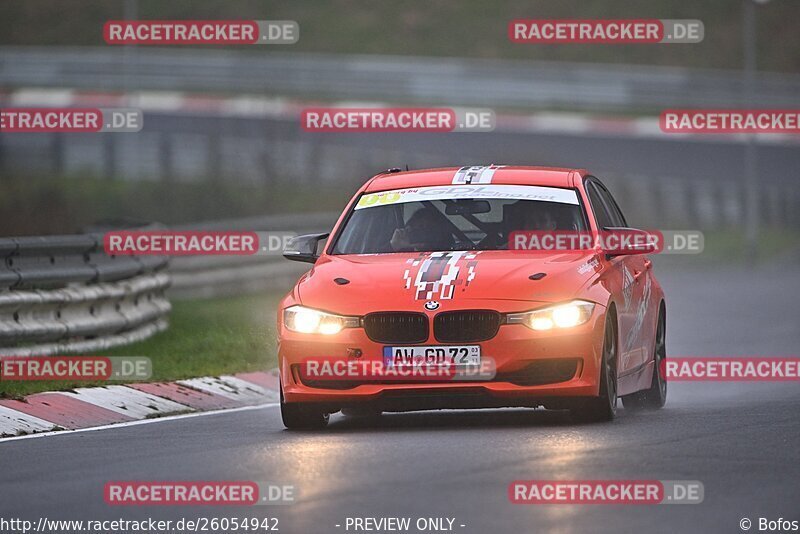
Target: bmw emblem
{"type": "Point", "coordinates": [431, 305]}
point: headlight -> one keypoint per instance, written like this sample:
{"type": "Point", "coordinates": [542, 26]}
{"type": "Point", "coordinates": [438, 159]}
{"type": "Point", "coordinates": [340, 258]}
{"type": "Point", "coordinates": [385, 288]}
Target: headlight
{"type": "Point", "coordinates": [558, 316]}
{"type": "Point", "coordinates": [308, 321]}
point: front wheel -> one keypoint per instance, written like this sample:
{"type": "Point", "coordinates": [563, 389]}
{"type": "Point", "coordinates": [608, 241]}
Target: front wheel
{"type": "Point", "coordinates": [604, 406]}
{"type": "Point", "coordinates": [655, 396]}
{"type": "Point", "coordinates": [297, 416]}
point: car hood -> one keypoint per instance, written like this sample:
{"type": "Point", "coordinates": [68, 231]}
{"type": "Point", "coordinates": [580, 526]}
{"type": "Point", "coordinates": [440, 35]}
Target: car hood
{"type": "Point", "coordinates": [360, 284]}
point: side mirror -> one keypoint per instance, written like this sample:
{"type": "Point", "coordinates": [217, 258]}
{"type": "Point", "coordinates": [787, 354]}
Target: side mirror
{"type": "Point", "coordinates": [618, 241]}
{"type": "Point", "coordinates": [304, 247]}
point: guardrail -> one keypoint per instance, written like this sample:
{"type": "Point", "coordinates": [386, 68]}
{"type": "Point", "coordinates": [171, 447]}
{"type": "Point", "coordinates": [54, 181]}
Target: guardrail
{"type": "Point", "coordinates": [425, 80]}
{"type": "Point", "coordinates": [63, 294]}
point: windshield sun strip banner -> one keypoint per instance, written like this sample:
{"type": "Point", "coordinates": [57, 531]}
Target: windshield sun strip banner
{"type": "Point", "coordinates": [482, 192]}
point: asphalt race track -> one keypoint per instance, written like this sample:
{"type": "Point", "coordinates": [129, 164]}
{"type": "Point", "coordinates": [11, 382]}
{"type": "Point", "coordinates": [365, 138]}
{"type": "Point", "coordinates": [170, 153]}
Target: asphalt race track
{"type": "Point", "coordinates": [739, 439]}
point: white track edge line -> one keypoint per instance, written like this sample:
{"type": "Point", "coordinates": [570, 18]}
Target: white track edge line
{"type": "Point", "coordinates": [138, 422]}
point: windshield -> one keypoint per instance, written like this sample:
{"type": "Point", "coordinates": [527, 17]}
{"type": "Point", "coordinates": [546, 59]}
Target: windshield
{"type": "Point", "coordinates": [479, 217]}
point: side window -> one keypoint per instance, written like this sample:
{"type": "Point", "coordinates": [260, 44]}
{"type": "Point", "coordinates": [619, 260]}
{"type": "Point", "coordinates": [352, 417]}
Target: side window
{"type": "Point", "coordinates": [611, 204]}
{"type": "Point", "coordinates": [598, 206]}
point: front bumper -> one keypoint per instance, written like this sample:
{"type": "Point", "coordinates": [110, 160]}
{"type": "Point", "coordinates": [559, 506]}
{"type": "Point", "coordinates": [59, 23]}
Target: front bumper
{"type": "Point", "coordinates": [532, 368]}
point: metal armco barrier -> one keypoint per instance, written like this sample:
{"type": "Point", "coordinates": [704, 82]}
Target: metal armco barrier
{"type": "Point", "coordinates": [63, 294]}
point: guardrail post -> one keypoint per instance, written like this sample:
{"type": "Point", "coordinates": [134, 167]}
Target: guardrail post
{"type": "Point", "coordinates": [214, 156]}
{"type": "Point", "coordinates": [58, 149]}
{"type": "Point", "coordinates": [3, 166]}
{"type": "Point", "coordinates": [109, 156]}
{"type": "Point", "coordinates": [691, 194]}
{"type": "Point", "coordinates": [165, 157]}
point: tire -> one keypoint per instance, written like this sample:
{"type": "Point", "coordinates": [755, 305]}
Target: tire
{"type": "Point", "coordinates": [604, 406]}
{"type": "Point", "coordinates": [655, 396]}
{"type": "Point", "coordinates": [297, 416]}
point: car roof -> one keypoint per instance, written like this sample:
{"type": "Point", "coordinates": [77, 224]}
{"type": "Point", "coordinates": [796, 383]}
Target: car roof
{"type": "Point", "coordinates": [503, 174]}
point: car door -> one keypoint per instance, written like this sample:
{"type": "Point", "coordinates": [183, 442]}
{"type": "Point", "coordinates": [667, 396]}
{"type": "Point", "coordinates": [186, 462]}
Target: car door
{"type": "Point", "coordinates": [638, 342]}
{"type": "Point", "coordinates": [621, 279]}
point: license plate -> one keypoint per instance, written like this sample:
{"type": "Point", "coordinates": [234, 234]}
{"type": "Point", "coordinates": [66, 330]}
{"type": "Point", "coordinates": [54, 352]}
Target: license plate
{"type": "Point", "coordinates": [432, 355]}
